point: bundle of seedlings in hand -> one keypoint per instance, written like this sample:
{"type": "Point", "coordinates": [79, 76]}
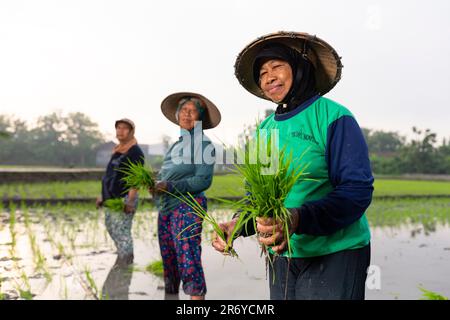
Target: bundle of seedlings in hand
{"type": "Point", "coordinates": [268, 183]}
{"type": "Point", "coordinates": [199, 211]}
{"type": "Point", "coordinates": [116, 205]}
{"type": "Point", "coordinates": [137, 175]}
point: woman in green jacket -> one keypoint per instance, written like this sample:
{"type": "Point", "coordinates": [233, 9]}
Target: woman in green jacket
{"type": "Point", "coordinates": [329, 232]}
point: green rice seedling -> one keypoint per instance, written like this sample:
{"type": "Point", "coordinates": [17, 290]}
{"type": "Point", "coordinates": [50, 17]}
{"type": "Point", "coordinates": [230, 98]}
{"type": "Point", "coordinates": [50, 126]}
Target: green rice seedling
{"type": "Point", "coordinates": [72, 236]}
{"type": "Point", "coordinates": [94, 227]}
{"type": "Point", "coordinates": [268, 185]}
{"type": "Point", "coordinates": [24, 293]}
{"type": "Point", "coordinates": [41, 265]}
{"type": "Point", "coordinates": [37, 255]}
{"type": "Point", "coordinates": [156, 267]}
{"type": "Point", "coordinates": [116, 205]}
{"type": "Point", "coordinates": [40, 262]}
{"type": "Point", "coordinates": [49, 234]}
{"type": "Point", "coordinates": [199, 211]}
{"type": "Point", "coordinates": [2, 295]}
{"type": "Point", "coordinates": [138, 175]}
{"type": "Point", "coordinates": [26, 217]}
{"type": "Point", "coordinates": [63, 253]}
{"type": "Point", "coordinates": [63, 290]}
{"type": "Point", "coordinates": [12, 230]}
{"type": "Point", "coordinates": [430, 295]}
{"type": "Point", "coordinates": [92, 286]}
{"type": "Point", "coordinates": [33, 245]}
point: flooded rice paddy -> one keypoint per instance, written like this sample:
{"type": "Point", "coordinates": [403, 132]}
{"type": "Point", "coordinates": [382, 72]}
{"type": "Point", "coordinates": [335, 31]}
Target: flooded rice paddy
{"type": "Point", "coordinates": [65, 252]}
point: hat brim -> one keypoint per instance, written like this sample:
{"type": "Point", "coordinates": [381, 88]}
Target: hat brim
{"type": "Point", "coordinates": [169, 107]}
{"type": "Point", "coordinates": [325, 59]}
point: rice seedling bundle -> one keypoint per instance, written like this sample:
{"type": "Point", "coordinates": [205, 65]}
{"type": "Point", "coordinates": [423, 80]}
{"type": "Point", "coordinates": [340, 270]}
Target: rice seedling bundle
{"type": "Point", "coordinates": [199, 211]}
{"type": "Point", "coordinates": [138, 176]}
{"type": "Point", "coordinates": [116, 205]}
{"type": "Point", "coordinates": [267, 185]}
{"type": "Point", "coordinates": [156, 267]}
{"type": "Point", "coordinates": [430, 295]}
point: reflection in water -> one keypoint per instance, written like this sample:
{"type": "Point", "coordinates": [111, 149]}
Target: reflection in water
{"type": "Point", "coordinates": [169, 296]}
{"type": "Point", "coordinates": [428, 227]}
{"type": "Point", "coordinates": [117, 283]}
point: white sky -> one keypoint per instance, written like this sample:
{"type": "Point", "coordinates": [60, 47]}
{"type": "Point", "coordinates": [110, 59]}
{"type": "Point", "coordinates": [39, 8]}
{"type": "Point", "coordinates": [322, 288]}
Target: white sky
{"type": "Point", "coordinates": [113, 59]}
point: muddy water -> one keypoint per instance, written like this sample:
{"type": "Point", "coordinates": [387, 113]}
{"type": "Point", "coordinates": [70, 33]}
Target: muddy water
{"type": "Point", "coordinates": [410, 256]}
{"type": "Point", "coordinates": [70, 256]}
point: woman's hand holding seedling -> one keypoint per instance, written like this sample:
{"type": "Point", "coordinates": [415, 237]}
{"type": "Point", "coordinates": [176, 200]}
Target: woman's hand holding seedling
{"type": "Point", "coordinates": [161, 186]}
{"type": "Point", "coordinates": [218, 243]}
{"type": "Point", "coordinates": [98, 202]}
{"type": "Point", "coordinates": [129, 208]}
{"type": "Point", "coordinates": [271, 231]}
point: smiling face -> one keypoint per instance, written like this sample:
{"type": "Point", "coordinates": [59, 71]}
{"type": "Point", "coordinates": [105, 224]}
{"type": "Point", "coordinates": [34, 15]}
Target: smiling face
{"type": "Point", "coordinates": [275, 79]}
{"type": "Point", "coordinates": [187, 115]}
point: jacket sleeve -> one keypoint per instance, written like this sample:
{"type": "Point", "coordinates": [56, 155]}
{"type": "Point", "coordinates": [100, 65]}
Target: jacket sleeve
{"type": "Point", "coordinates": [351, 177]}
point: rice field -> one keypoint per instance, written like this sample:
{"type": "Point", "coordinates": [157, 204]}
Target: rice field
{"type": "Point", "coordinates": [65, 252]}
{"type": "Point", "coordinates": [222, 186]}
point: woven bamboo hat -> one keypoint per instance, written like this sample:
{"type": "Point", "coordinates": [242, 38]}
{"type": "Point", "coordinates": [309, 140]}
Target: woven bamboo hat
{"type": "Point", "coordinates": [210, 119]}
{"type": "Point", "coordinates": [325, 59]}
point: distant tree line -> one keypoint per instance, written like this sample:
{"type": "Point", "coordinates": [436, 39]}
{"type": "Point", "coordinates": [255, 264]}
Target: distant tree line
{"type": "Point", "coordinates": [72, 140]}
{"type": "Point", "coordinates": [55, 140]}
{"type": "Point", "coordinates": [391, 153]}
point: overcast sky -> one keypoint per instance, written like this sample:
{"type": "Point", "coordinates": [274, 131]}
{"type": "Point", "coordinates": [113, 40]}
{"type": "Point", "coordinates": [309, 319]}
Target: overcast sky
{"type": "Point", "coordinates": [113, 59]}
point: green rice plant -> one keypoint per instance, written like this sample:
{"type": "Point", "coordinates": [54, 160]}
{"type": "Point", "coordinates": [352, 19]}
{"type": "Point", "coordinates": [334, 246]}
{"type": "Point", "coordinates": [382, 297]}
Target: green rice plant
{"type": "Point", "coordinates": [63, 291]}
{"type": "Point", "coordinates": [38, 259]}
{"type": "Point", "coordinates": [40, 262]}
{"type": "Point", "coordinates": [430, 295]}
{"type": "Point", "coordinates": [92, 286]}
{"type": "Point", "coordinates": [49, 234]}
{"type": "Point", "coordinates": [41, 265]}
{"type": "Point", "coordinates": [199, 211]}
{"type": "Point", "coordinates": [72, 236]}
{"type": "Point", "coordinates": [116, 205]}
{"type": "Point", "coordinates": [24, 293]}
{"type": "Point", "coordinates": [156, 267]}
{"type": "Point", "coordinates": [2, 295]}
{"type": "Point", "coordinates": [12, 230]}
{"type": "Point", "coordinates": [137, 175]}
{"type": "Point", "coordinates": [26, 217]}
{"type": "Point", "coordinates": [267, 184]}
{"type": "Point", "coordinates": [33, 245]}
{"type": "Point", "coordinates": [395, 212]}
{"type": "Point", "coordinates": [94, 227]}
{"type": "Point", "coordinates": [61, 250]}
{"type": "Point", "coordinates": [267, 187]}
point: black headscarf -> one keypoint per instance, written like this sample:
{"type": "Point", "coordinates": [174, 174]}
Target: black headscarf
{"type": "Point", "coordinates": [303, 74]}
